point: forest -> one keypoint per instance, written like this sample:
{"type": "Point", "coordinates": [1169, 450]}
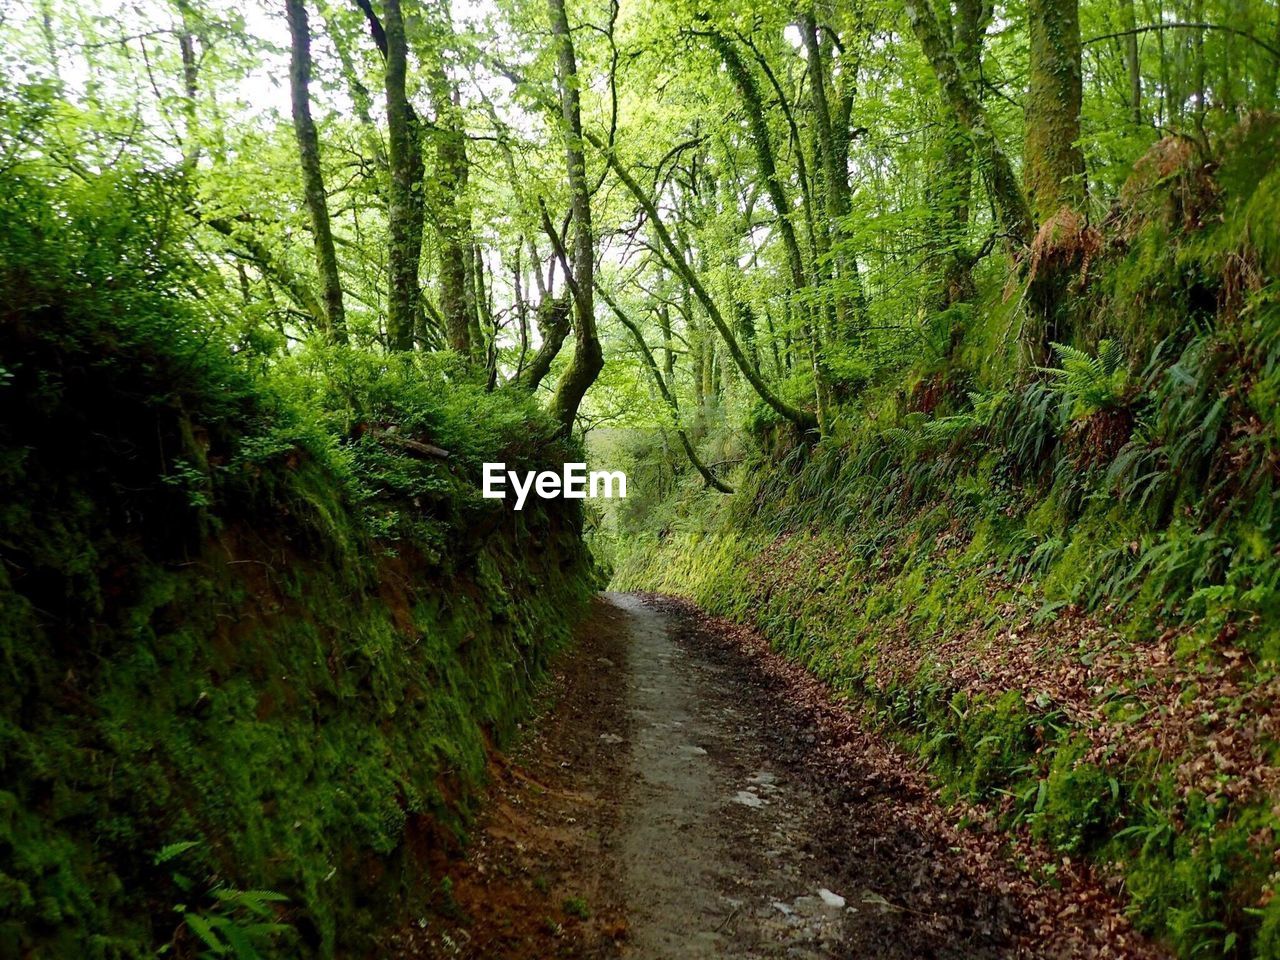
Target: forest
{"type": "Point", "coordinates": [938, 341]}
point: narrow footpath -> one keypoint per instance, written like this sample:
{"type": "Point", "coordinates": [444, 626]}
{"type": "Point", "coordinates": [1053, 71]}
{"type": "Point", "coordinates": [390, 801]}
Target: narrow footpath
{"type": "Point", "coordinates": [687, 794]}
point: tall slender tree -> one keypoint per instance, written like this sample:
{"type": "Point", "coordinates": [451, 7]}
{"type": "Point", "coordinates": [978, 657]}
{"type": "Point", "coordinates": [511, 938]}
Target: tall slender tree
{"type": "Point", "coordinates": [304, 129]}
{"type": "Point", "coordinates": [831, 115]}
{"type": "Point", "coordinates": [588, 357]}
{"type": "Point", "coordinates": [448, 201]}
{"type": "Point", "coordinates": [964, 24]}
{"type": "Point", "coordinates": [1012, 209]}
{"type": "Point", "coordinates": [404, 202]}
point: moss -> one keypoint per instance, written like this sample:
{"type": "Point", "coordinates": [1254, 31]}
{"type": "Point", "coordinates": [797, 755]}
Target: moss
{"type": "Point", "coordinates": [1079, 801]}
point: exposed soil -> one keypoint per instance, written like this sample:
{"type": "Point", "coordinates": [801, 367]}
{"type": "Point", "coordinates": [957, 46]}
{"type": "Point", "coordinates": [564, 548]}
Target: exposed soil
{"type": "Point", "coordinates": [539, 879]}
{"type": "Point", "coordinates": [689, 794]}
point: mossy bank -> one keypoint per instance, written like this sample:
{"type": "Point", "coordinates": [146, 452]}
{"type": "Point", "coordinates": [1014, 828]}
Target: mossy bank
{"type": "Point", "coordinates": [251, 659]}
{"type": "Point", "coordinates": [1063, 593]}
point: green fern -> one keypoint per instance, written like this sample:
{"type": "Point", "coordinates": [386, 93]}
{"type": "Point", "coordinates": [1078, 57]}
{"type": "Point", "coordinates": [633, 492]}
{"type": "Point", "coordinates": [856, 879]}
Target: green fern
{"type": "Point", "coordinates": [239, 924]}
{"type": "Point", "coordinates": [1091, 383]}
{"type": "Point", "coordinates": [173, 850]}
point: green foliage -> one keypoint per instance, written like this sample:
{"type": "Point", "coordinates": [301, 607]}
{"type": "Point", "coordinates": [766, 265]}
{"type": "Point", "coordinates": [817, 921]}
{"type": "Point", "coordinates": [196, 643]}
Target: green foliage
{"type": "Point", "coordinates": [1092, 383]}
{"type": "Point", "coordinates": [236, 926]}
{"type": "Point", "coordinates": [281, 648]}
{"type": "Point", "coordinates": [241, 924]}
{"type": "Point", "coordinates": [245, 597]}
{"type": "Point", "coordinates": [1137, 495]}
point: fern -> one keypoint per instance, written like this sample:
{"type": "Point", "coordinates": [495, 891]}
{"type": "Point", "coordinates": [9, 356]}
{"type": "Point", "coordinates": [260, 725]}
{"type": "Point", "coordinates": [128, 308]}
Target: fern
{"type": "Point", "coordinates": [173, 850]}
{"type": "Point", "coordinates": [1091, 383]}
{"type": "Point", "coordinates": [253, 901]}
{"type": "Point", "coordinates": [203, 929]}
{"type": "Point", "coordinates": [237, 923]}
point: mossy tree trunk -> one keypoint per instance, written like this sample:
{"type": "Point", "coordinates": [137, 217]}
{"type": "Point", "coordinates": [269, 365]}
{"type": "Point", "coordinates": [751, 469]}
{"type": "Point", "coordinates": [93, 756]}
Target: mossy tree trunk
{"type": "Point", "coordinates": [588, 357]}
{"type": "Point", "coordinates": [997, 173]}
{"type": "Point", "coordinates": [965, 27]}
{"type": "Point", "coordinates": [304, 129]}
{"type": "Point", "coordinates": [1132, 62]}
{"type": "Point", "coordinates": [404, 206]}
{"type": "Point", "coordinates": [1053, 160]}
{"type": "Point", "coordinates": [831, 126]}
{"type": "Point", "coordinates": [453, 219]}
{"type": "Point", "coordinates": [1054, 169]}
{"type": "Point", "coordinates": [1272, 80]}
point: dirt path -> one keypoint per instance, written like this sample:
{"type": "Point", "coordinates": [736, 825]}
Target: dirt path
{"type": "Point", "coordinates": [687, 794]}
{"type": "Point", "coordinates": [716, 837]}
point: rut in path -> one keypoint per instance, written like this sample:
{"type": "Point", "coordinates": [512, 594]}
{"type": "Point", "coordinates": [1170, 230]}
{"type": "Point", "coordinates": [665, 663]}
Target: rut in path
{"type": "Point", "coordinates": [690, 795]}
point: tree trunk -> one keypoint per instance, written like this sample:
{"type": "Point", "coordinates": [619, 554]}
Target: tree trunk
{"type": "Point", "coordinates": [554, 321]}
{"type": "Point", "coordinates": [404, 207]}
{"type": "Point", "coordinates": [251, 247]}
{"type": "Point", "coordinates": [588, 358]}
{"type": "Point", "coordinates": [993, 164]}
{"type": "Point", "coordinates": [304, 129]}
{"type": "Point", "coordinates": [190, 88]}
{"type": "Point", "coordinates": [710, 388]}
{"type": "Point", "coordinates": [1132, 63]}
{"type": "Point", "coordinates": [1053, 159]}
{"type": "Point", "coordinates": [522, 309]}
{"type": "Point", "coordinates": [833, 146]}
{"type": "Point", "coordinates": [1198, 65]}
{"type": "Point", "coordinates": [1054, 167]}
{"type": "Point", "coordinates": [967, 24]}
{"type": "Point", "coordinates": [1273, 66]}
{"type": "Point", "coordinates": [481, 316]}
{"type": "Point", "coordinates": [449, 186]}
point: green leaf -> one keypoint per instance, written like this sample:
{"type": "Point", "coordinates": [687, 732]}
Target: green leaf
{"type": "Point", "coordinates": [203, 929]}
{"type": "Point", "coordinates": [172, 850]}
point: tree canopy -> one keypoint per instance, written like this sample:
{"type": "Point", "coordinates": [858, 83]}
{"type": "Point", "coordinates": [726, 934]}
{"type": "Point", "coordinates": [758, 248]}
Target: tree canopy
{"type": "Point", "coordinates": [777, 201]}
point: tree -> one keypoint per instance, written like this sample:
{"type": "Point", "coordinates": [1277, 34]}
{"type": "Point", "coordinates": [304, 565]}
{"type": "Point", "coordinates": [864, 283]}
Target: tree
{"type": "Point", "coordinates": [997, 173]}
{"type": "Point", "coordinates": [1054, 162]}
{"type": "Point", "coordinates": [831, 128]}
{"type": "Point", "coordinates": [965, 27]}
{"type": "Point", "coordinates": [404, 204]}
{"type": "Point", "coordinates": [312, 178]}
{"type": "Point", "coordinates": [451, 213]}
{"type": "Point", "coordinates": [588, 358]}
